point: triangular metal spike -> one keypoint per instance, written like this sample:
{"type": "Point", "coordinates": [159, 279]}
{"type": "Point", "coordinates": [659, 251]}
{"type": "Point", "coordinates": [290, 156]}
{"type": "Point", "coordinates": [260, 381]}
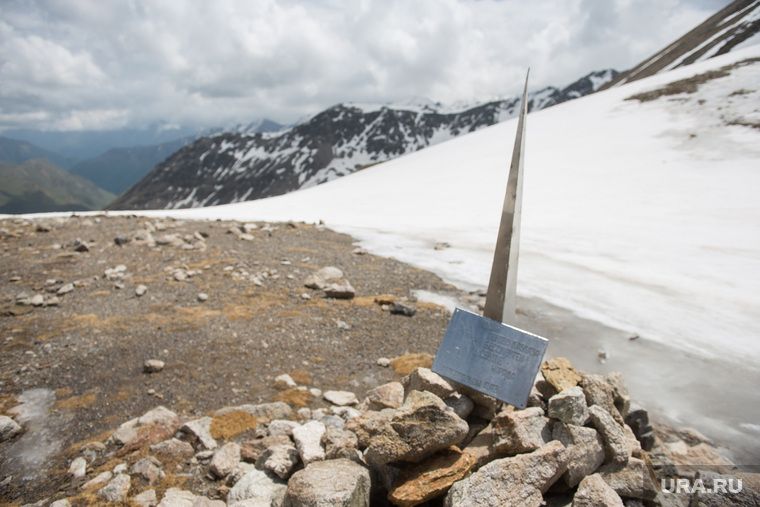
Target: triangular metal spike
{"type": "Point", "coordinates": [501, 295]}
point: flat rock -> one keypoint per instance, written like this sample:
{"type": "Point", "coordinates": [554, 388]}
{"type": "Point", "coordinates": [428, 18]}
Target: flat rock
{"type": "Point", "coordinates": [153, 366]}
{"type": "Point", "coordinates": [323, 277]}
{"type": "Point", "coordinates": [461, 405]}
{"type": "Point", "coordinates": [424, 379]}
{"type": "Point", "coordinates": [147, 498]}
{"type": "Point", "coordinates": [158, 415]}
{"type": "Point", "coordinates": [340, 290]}
{"type": "Point", "coordinates": [149, 469]}
{"type": "Point", "coordinates": [594, 492]}
{"type": "Point", "coordinates": [516, 481]}
{"type": "Point", "coordinates": [560, 373]}
{"type": "Point", "coordinates": [173, 447]}
{"type": "Point", "coordinates": [251, 450]}
{"type": "Point", "coordinates": [337, 483]}
{"type": "Point", "coordinates": [284, 381]}
{"type": "Point", "coordinates": [341, 398]}
{"type": "Point", "coordinates": [431, 477]}
{"type": "Point", "coordinates": [282, 427]}
{"type": "Point", "coordinates": [632, 480]}
{"type": "Point", "coordinates": [521, 431]}
{"type": "Point", "coordinates": [422, 426]}
{"type": "Point", "coordinates": [201, 430]}
{"type": "Point", "coordinates": [308, 439]}
{"type": "Point", "coordinates": [263, 412]}
{"type": "Point", "coordinates": [9, 428]}
{"type": "Point", "coordinates": [176, 497]}
{"type": "Point", "coordinates": [98, 480]}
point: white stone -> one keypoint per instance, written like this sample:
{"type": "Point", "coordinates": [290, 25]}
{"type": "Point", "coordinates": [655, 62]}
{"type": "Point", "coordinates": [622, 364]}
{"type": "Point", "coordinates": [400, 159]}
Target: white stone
{"type": "Point", "coordinates": [282, 427]}
{"type": "Point", "coordinates": [284, 381]}
{"type": "Point", "coordinates": [8, 428]}
{"type": "Point", "coordinates": [147, 498]}
{"type": "Point", "coordinates": [159, 415]}
{"type": "Point", "coordinates": [225, 460]}
{"type": "Point", "coordinates": [140, 291]}
{"type": "Point", "coordinates": [341, 398]}
{"type": "Point", "coordinates": [61, 503]}
{"type": "Point", "coordinates": [308, 439]}
{"type": "Point", "coordinates": [569, 406]}
{"type": "Point", "coordinates": [153, 366]}
{"type": "Point", "coordinates": [201, 429]}
{"type": "Point", "coordinates": [78, 468]}
{"type": "Point", "coordinates": [257, 485]}
{"type": "Point", "coordinates": [117, 489]}
{"type": "Point", "coordinates": [99, 480]}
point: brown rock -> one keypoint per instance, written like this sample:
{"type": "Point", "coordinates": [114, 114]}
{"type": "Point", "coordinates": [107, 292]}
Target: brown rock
{"type": "Point", "coordinates": [251, 450]}
{"type": "Point", "coordinates": [390, 395]}
{"type": "Point", "coordinates": [431, 477]}
{"type": "Point", "coordinates": [594, 492]}
{"type": "Point", "coordinates": [148, 436]}
{"type": "Point", "coordinates": [521, 431]}
{"type": "Point", "coordinates": [560, 373]}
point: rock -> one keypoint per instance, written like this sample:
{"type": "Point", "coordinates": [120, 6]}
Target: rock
{"type": "Point", "coordinates": [81, 246]}
{"type": "Point", "coordinates": [422, 426]}
{"type": "Point", "coordinates": [340, 443]}
{"type": "Point", "coordinates": [117, 489]}
{"type": "Point", "coordinates": [424, 379]}
{"type": "Point", "coordinates": [8, 428]}
{"type": "Point", "coordinates": [401, 308]}
{"type": "Point", "coordinates": [520, 480]}
{"type": "Point", "coordinates": [140, 290]}
{"type": "Point", "coordinates": [282, 427]}
{"type": "Point", "coordinates": [175, 497]}
{"type": "Point", "coordinates": [78, 468]}
{"type": "Point", "coordinates": [308, 439]}
{"type": "Point", "coordinates": [341, 290]}
{"type": "Point", "coordinates": [202, 501]}
{"type": "Point", "coordinates": [560, 373]}
{"type": "Point", "coordinates": [721, 491]}
{"type": "Point", "coordinates": [341, 398]}
{"type": "Point", "coordinates": [383, 362]}
{"type": "Point", "coordinates": [638, 419]}
{"type": "Point", "coordinates": [251, 450]}
{"type": "Point", "coordinates": [153, 366]}
{"type": "Point", "coordinates": [201, 429]}
{"type": "Point", "coordinates": [321, 279]}
{"type": "Point", "coordinates": [202, 297]}
{"type": "Point", "coordinates": [615, 441]}
{"type": "Point", "coordinates": [121, 468]}
{"type": "Point", "coordinates": [65, 289]}
{"type": "Point", "coordinates": [481, 447]}
{"type": "Point", "coordinates": [404, 365]}
{"type": "Point", "coordinates": [99, 480]}
{"type": "Point", "coordinates": [569, 406]}
{"type": "Point", "coordinates": [390, 395]}
{"type": "Point", "coordinates": [225, 459]}
{"type": "Point", "coordinates": [279, 459]}
{"type": "Point", "coordinates": [173, 447]}
{"type": "Point", "coordinates": [594, 492]}
{"type": "Point", "coordinates": [124, 436]}
{"type": "Point", "coordinates": [585, 447]}
{"type": "Point", "coordinates": [632, 480]}
{"type": "Point", "coordinates": [61, 503]}
{"type": "Point", "coordinates": [621, 396]}
{"type": "Point", "coordinates": [284, 381]}
{"type": "Point", "coordinates": [257, 485]}
{"type": "Point", "coordinates": [149, 469]}
{"type": "Point", "coordinates": [147, 498]}
{"type": "Point", "coordinates": [486, 406]}
{"type": "Point", "coordinates": [599, 392]}
{"type": "Point", "coordinates": [121, 240]}
{"type": "Point", "coordinates": [37, 300]}
{"type": "Point", "coordinates": [264, 412]}
{"type": "Point", "coordinates": [158, 415]}
{"type": "Point", "coordinates": [366, 425]}
{"type": "Point", "coordinates": [332, 421]}
{"type": "Point", "coordinates": [460, 404]}
{"type": "Point", "coordinates": [338, 483]}
{"type": "Point", "coordinates": [521, 431]}
{"type": "Point", "coordinates": [431, 477]}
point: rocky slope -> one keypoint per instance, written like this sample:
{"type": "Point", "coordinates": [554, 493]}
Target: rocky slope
{"type": "Point", "coordinates": [167, 362]}
{"type": "Point", "coordinates": [234, 167]}
{"type": "Point", "coordinates": [720, 33]}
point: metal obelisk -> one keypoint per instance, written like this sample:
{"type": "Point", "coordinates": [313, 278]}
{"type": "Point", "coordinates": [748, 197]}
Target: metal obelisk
{"type": "Point", "coordinates": [500, 298]}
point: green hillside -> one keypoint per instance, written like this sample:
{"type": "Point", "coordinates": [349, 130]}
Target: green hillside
{"type": "Point", "coordinates": [39, 186]}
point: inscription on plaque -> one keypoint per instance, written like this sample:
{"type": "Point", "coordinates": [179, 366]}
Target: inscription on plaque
{"type": "Point", "coordinates": [494, 358]}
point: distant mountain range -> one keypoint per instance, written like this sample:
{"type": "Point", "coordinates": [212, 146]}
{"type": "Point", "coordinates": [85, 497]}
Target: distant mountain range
{"type": "Point", "coordinates": [239, 166]}
{"type": "Point", "coordinates": [38, 186]}
{"type": "Point", "coordinates": [15, 151]}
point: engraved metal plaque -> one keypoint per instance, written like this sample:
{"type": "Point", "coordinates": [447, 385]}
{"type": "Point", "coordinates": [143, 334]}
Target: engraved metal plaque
{"type": "Point", "coordinates": [494, 358]}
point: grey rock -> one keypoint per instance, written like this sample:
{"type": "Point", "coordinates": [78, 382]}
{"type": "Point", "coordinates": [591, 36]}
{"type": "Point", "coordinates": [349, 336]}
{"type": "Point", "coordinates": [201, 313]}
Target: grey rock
{"type": "Point", "coordinates": [78, 468]}
{"type": "Point", "coordinates": [264, 412]}
{"type": "Point", "coordinates": [37, 300]}
{"type": "Point", "coordinates": [284, 381]}
{"type": "Point", "coordinates": [615, 441]}
{"type": "Point", "coordinates": [594, 492]}
{"type": "Point", "coordinates": [585, 447]}
{"type": "Point", "coordinates": [569, 406]}
{"type": "Point", "coordinates": [340, 443]}
{"type": "Point", "coordinates": [521, 431]}
{"type": "Point", "coordinates": [308, 439]}
{"type": "Point", "coordinates": [98, 480]}
{"type": "Point", "coordinates": [65, 289]}
{"type": "Point", "coordinates": [9, 428]}
{"type": "Point", "coordinates": [599, 392]}
{"type": "Point", "coordinates": [724, 491]}
{"type": "Point", "coordinates": [519, 480]}
{"type": "Point", "coordinates": [390, 395]}
{"type": "Point", "coordinates": [202, 501]}
{"type": "Point", "coordinates": [621, 396]}
{"type": "Point", "coordinates": [279, 459]}
{"type": "Point", "coordinates": [401, 308]}
{"type": "Point", "coordinates": [340, 290]}
{"type": "Point", "coordinates": [140, 290]}
{"type": "Point", "coordinates": [321, 279]}
{"type": "Point", "coordinates": [173, 447]}
{"type": "Point", "coordinates": [638, 419]}
{"type": "Point", "coordinates": [460, 404]}
{"type": "Point", "coordinates": [176, 497]}
{"type": "Point", "coordinates": [282, 427]}
{"type": "Point", "coordinates": [149, 469]}
{"type": "Point", "coordinates": [81, 246]}
{"type": "Point", "coordinates": [424, 379]}
{"type": "Point", "coordinates": [117, 489]}
{"type": "Point", "coordinates": [257, 485]}
{"type": "Point", "coordinates": [201, 430]}
{"type": "Point", "coordinates": [123, 436]}
{"type": "Point", "coordinates": [338, 483]}
{"type": "Point", "coordinates": [147, 498]}
{"type": "Point", "coordinates": [225, 460]}
{"type": "Point", "coordinates": [632, 480]}
{"type": "Point", "coordinates": [61, 503]}
{"type": "Point", "coordinates": [422, 426]}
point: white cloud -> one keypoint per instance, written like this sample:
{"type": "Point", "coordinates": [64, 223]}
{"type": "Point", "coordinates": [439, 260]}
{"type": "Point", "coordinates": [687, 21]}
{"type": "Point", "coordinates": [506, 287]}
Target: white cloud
{"type": "Point", "coordinates": [76, 62]}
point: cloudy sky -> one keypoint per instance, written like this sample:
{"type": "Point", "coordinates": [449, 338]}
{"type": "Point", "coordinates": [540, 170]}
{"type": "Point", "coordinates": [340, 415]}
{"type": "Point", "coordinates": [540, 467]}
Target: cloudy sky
{"type": "Point", "coordinates": [95, 64]}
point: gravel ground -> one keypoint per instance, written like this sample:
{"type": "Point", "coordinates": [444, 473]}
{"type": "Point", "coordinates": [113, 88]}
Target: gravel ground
{"type": "Point", "coordinates": [259, 321]}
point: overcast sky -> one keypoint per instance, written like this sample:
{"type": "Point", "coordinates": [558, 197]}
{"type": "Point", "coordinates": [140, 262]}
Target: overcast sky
{"type": "Point", "coordinates": [106, 64]}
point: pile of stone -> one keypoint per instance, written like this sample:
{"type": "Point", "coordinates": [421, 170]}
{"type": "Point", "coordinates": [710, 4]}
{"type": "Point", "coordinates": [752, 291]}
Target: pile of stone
{"type": "Point", "coordinates": [408, 442]}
